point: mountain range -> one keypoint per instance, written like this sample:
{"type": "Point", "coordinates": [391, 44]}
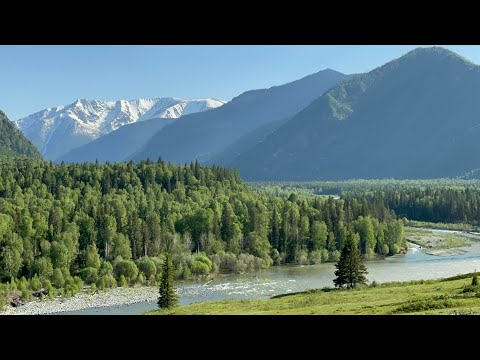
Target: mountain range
{"type": "Point", "coordinates": [205, 135]}
{"type": "Point", "coordinates": [417, 116]}
{"type": "Point", "coordinates": [57, 130]}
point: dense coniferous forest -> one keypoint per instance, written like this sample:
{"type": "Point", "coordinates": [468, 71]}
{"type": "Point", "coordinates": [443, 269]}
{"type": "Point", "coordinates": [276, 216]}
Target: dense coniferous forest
{"type": "Point", "coordinates": [437, 200]}
{"type": "Point", "coordinates": [103, 224]}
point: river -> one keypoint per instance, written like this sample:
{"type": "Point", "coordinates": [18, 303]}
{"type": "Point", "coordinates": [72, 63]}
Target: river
{"type": "Point", "coordinates": [414, 265]}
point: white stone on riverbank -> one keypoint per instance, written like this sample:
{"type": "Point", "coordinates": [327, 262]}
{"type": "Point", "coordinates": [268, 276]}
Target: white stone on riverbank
{"type": "Point", "coordinates": [114, 297]}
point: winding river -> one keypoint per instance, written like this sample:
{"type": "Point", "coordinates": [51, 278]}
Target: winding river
{"type": "Point", "coordinates": [414, 265]}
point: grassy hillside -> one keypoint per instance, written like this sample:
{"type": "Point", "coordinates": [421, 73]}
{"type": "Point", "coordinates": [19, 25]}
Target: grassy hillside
{"type": "Point", "coordinates": [447, 296]}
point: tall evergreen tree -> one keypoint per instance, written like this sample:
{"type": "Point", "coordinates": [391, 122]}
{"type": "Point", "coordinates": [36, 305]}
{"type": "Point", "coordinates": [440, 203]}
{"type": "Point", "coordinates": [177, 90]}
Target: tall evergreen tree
{"type": "Point", "coordinates": [351, 270]}
{"type": "Point", "coordinates": [168, 295]}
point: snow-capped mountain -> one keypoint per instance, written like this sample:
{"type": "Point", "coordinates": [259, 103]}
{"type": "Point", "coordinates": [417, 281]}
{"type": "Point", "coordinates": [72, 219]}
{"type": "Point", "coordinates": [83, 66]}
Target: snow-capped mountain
{"type": "Point", "coordinates": [57, 130]}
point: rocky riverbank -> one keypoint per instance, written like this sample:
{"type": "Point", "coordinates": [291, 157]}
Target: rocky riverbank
{"type": "Point", "coordinates": [114, 297]}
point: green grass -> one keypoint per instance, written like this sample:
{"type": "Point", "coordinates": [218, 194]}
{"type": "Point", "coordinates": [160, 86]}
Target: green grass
{"type": "Point", "coordinates": [446, 296]}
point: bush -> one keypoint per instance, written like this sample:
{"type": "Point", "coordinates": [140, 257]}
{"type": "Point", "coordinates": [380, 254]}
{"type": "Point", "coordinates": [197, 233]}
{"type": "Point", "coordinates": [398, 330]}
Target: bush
{"type": "Point", "coordinates": [43, 267]}
{"type": "Point", "coordinates": [47, 285]}
{"type": "Point", "coordinates": [123, 281]}
{"type": "Point", "coordinates": [315, 257]}
{"type": "Point", "coordinates": [35, 283]}
{"type": "Point", "coordinates": [127, 268]}
{"type": "Point", "coordinates": [385, 249]}
{"type": "Point", "coordinates": [93, 289]}
{"type": "Point", "coordinates": [73, 285]}
{"type": "Point", "coordinates": [106, 268]}
{"type": "Point", "coordinates": [475, 280]}
{"type": "Point", "coordinates": [276, 258]}
{"type": "Point", "coordinates": [334, 256]}
{"type": "Point", "coordinates": [469, 288]}
{"type": "Point", "coordinates": [199, 268]}
{"type": "Point", "coordinates": [26, 295]}
{"type": "Point", "coordinates": [89, 275]}
{"type": "Point", "coordinates": [301, 257]}
{"type": "Point", "coordinates": [22, 284]}
{"type": "Point", "coordinates": [57, 278]}
{"type": "Point", "coordinates": [140, 279]}
{"type": "Point", "coordinates": [325, 255]}
{"type": "Point", "coordinates": [110, 281]}
{"type": "Point", "coordinates": [158, 263]}
{"type": "Point", "coordinates": [147, 266]}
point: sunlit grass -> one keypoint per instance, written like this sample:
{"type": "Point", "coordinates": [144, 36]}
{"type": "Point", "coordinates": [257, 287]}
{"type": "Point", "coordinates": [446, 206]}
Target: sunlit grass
{"type": "Point", "coordinates": [447, 296]}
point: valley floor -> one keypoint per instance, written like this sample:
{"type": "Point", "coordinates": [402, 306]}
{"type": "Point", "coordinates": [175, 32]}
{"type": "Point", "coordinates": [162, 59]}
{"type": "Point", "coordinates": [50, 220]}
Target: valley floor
{"type": "Point", "coordinates": [445, 296]}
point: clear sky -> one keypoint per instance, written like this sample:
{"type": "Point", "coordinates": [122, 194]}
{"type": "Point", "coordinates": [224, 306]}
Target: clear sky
{"type": "Point", "coordinates": [36, 77]}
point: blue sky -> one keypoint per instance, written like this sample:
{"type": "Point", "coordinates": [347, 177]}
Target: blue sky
{"type": "Point", "coordinates": [37, 77]}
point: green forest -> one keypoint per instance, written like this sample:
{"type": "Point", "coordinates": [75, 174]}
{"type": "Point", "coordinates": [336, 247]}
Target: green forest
{"type": "Point", "coordinates": [66, 225]}
{"type": "Point", "coordinates": [454, 201]}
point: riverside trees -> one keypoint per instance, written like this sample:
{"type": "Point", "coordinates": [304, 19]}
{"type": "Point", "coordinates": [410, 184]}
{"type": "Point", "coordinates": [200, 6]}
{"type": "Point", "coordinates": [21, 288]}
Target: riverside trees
{"type": "Point", "coordinates": [98, 222]}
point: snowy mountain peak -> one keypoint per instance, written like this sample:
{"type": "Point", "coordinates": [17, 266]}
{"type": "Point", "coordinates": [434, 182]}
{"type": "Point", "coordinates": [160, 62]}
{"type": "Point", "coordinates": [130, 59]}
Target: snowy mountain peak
{"type": "Point", "coordinates": [57, 130]}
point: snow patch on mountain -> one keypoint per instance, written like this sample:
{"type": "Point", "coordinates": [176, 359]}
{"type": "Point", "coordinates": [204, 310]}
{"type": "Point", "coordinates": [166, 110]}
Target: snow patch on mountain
{"type": "Point", "coordinates": [57, 130]}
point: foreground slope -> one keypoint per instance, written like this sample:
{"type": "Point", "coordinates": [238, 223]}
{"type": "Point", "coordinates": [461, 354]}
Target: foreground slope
{"type": "Point", "coordinates": [203, 135]}
{"type": "Point", "coordinates": [12, 141]}
{"type": "Point", "coordinates": [446, 296]}
{"type": "Point", "coordinates": [415, 117]}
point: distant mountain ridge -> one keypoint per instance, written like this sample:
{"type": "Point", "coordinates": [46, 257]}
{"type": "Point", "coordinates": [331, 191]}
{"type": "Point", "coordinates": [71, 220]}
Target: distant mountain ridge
{"type": "Point", "coordinates": [57, 130]}
{"type": "Point", "coordinates": [205, 135]}
{"type": "Point", "coordinates": [417, 116]}
{"type": "Point", "coordinates": [12, 141]}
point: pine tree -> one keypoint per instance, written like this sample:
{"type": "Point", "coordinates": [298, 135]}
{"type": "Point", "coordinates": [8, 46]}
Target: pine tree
{"type": "Point", "coordinates": [475, 280]}
{"type": "Point", "coordinates": [351, 270]}
{"type": "Point", "coordinates": [168, 295]}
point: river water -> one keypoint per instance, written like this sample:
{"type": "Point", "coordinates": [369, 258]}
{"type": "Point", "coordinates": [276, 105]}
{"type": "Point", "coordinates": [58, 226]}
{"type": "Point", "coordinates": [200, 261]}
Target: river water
{"type": "Point", "coordinates": [414, 265]}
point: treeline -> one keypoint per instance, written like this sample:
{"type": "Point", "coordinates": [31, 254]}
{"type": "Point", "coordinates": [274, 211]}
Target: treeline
{"type": "Point", "coordinates": [285, 188]}
{"type": "Point", "coordinates": [455, 204]}
{"type": "Point", "coordinates": [450, 201]}
{"type": "Point", "coordinates": [109, 224]}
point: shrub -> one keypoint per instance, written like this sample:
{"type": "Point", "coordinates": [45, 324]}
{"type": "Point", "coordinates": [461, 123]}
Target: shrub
{"type": "Point", "coordinates": [26, 295]}
{"type": "Point", "coordinates": [106, 268]}
{"type": "Point", "coordinates": [73, 285]}
{"type": "Point", "coordinates": [122, 281]}
{"type": "Point", "coordinates": [147, 266]}
{"type": "Point", "coordinates": [334, 256]}
{"type": "Point", "coordinates": [22, 284]}
{"type": "Point", "coordinates": [93, 288]}
{"type": "Point", "coordinates": [275, 255]}
{"type": "Point", "coordinates": [475, 280]}
{"type": "Point", "coordinates": [43, 267]}
{"type": "Point", "coordinates": [127, 268]}
{"type": "Point", "coordinates": [35, 284]}
{"type": "Point", "coordinates": [199, 268]}
{"type": "Point", "coordinates": [47, 285]}
{"type": "Point", "coordinates": [325, 255]}
{"type": "Point", "coordinates": [89, 275]}
{"type": "Point", "coordinates": [315, 257]}
{"type": "Point", "coordinates": [301, 257]}
{"type": "Point", "coordinates": [57, 278]}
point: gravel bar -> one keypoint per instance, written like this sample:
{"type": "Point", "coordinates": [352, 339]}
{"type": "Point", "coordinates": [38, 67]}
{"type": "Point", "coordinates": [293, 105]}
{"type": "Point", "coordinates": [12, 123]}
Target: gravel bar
{"type": "Point", "coordinates": [114, 297]}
